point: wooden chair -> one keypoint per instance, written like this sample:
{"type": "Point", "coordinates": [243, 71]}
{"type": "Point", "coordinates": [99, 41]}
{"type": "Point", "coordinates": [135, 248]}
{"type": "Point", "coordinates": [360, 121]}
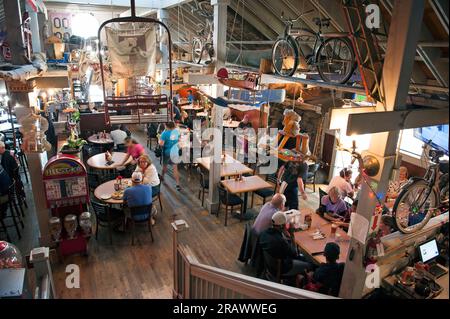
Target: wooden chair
{"type": "Point", "coordinates": [152, 134]}
{"type": "Point", "coordinates": [106, 217]}
{"type": "Point", "coordinates": [266, 192]}
{"type": "Point", "coordinates": [273, 271]}
{"type": "Point", "coordinates": [15, 204]}
{"type": "Point", "coordinates": [229, 200]}
{"type": "Point", "coordinates": [141, 215]}
{"type": "Point", "coordinates": [93, 181]}
{"type": "Point", "coordinates": [121, 148]}
{"type": "Point", "coordinates": [20, 191]}
{"type": "Point", "coordinates": [204, 185]}
{"type": "Point", "coordinates": [157, 195]}
{"type": "Point", "coordinates": [23, 163]}
{"type": "Point", "coordinates": [311, 175]}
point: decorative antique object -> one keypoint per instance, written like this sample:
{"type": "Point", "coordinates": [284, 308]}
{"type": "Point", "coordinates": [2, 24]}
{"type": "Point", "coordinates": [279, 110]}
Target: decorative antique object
{"type": "Point", "coordinates": [291, 122]}
{"type": "Point", "coordinates": [10, 256]}
{"type": "Point", "coordinates": [55, 228]}
{"type": "Point", "coordinates": [371, 165]}
{"type": "Point", "coordinates": [33, 129]}
{"type": "Point", "coordinates": [70, 225]}
{"type": "Point", "coordinates": [86, 224]}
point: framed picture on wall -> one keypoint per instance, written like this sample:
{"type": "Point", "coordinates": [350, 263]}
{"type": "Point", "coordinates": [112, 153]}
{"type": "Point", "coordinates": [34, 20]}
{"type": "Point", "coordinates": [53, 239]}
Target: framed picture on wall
{"type": "Point", "coordinates": [61, 24]}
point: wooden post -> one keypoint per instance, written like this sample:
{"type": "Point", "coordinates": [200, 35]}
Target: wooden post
{"type": "Point", "coordinates": [177, 226]}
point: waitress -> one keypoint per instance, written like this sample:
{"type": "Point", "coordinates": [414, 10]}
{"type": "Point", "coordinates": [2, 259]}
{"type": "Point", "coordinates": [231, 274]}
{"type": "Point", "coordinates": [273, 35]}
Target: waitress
{"type": "Point", "coordinates": [134, 151]}
{"type": "Point", "coordinates": [293, 174]}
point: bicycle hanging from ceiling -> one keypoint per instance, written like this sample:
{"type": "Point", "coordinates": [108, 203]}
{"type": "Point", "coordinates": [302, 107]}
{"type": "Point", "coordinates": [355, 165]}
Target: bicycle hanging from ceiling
{"type": "Point", "coordinates": [132, 51]}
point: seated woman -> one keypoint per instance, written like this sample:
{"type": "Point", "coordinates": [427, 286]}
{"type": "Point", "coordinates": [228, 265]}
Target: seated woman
{"type": "Point", "coordinates": [149, 172]}
{"type": "Point", "coordinates": [336, 209]}
{"type": "Point", "coordinates": [396, 185]}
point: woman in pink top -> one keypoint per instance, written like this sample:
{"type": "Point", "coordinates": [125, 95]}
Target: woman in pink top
{"type": "Point", "coordinates": [134, 150]}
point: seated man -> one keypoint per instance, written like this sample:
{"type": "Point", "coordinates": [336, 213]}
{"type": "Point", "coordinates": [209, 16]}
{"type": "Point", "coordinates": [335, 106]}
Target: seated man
{"type": "Point", "coordinates": [279, 245]}
{"type": "Point", "coordinates": [343, 183]}
{"type": "Point", "coordinates": [138, 195]}
{"type": "Point", "coordinates": [264, 219]}
{"type": "Point", "coordinates": [336, 209]}
{"type": "Point", "coordinates": [117, 135]}
{"type": "Point", "coordinates": [328, 276]}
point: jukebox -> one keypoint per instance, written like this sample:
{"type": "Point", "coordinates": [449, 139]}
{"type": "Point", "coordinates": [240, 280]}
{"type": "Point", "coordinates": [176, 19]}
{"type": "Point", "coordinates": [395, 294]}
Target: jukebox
{"type": "Point", "coordinates": [67, 195]}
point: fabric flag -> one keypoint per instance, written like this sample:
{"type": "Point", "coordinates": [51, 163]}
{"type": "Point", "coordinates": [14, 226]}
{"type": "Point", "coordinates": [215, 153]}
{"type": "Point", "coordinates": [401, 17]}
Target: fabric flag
{"type": "Point", "coordinates": [37, 5]}
{"type": "Point", "coordinates": [133, 53]}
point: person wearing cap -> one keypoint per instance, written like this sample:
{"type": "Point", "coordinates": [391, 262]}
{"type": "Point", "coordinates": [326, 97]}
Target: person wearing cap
{"type": "Point", "coordinates": [329, 275]}
{"type": "Point", "coordinates": [264, 219]}
{"type": "Point", "coordinates": [138, 194]}
{"type": "Point", "coordinates": [278, 244]}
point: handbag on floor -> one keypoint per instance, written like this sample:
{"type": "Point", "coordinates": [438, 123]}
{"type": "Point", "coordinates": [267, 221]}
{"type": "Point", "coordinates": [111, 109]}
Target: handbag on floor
{"type": "Point", "coordinates": [158, 151]}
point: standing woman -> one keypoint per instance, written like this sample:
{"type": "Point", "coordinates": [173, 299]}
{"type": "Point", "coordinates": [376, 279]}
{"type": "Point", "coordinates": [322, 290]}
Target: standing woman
{"type": "Point", "coordinates": [134, 151]}
{"type": "Point", "coordinates": [169, 143]}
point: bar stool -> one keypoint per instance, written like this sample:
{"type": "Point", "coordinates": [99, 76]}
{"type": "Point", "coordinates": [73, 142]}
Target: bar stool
{"type": "Point", "coordinates": [14, 203]}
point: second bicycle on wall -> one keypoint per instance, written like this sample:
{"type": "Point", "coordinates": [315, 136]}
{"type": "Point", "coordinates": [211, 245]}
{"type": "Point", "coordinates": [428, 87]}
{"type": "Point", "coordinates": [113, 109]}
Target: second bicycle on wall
{"type": "Point", "coordinates": [332, 54]}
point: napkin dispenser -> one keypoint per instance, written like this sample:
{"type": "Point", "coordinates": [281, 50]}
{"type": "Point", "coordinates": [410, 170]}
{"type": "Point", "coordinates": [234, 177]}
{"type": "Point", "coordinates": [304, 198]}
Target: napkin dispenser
{"type": "Point", "coordinates": [295, 219]}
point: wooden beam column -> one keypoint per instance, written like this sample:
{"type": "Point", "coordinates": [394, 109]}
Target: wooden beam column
{"type": "Point", "coordinates": [220, 50]}
{"type": "Point", "coordinates": [397, 71]}
{"type": "Point", "coordinates": [163, 16]}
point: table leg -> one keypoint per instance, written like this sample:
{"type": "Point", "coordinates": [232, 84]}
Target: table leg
{"type": "Point", "coordinates": [244, 206]}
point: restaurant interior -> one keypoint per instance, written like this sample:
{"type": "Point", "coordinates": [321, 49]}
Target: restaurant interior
{"type": "Point", "coordinates": [224, 149]}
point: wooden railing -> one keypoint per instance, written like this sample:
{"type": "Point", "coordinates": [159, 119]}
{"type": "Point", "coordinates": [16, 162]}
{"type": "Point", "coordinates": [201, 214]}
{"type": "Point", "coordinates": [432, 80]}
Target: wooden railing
{"type": "Point", "coordinates": [193, 280]}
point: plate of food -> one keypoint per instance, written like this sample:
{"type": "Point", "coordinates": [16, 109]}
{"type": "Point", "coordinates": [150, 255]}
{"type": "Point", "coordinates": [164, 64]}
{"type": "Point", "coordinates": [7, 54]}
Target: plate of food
{"type": "Point", "coordinates": [117, 195]}
{"type": "Point", "coordinates": [105, 196]}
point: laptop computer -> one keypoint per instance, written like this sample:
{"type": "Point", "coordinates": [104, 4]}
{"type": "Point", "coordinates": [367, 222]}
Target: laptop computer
{"type": "Point", "coordinates": [428, 252]}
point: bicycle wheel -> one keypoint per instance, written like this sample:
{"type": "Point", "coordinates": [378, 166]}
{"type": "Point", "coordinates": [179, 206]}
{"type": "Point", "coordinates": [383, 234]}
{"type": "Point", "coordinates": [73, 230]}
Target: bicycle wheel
{"type": "Point", "coordinates": [285, 56]}
{"type": "Point", "coordinates": [336, 60]}
{"type": "Point", "coordinates": [197, 50]}
{"type": "Point", "coordinates": [414, 207]}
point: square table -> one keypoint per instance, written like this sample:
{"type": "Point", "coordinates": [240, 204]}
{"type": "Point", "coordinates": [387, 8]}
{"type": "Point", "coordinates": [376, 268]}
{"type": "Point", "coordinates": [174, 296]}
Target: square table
{"type": "Point", "coordinates": [311, 247]}
{"type": "Point", "coordinates": [246, 185]}
{"type": "Point", "coordinates": [229, 167]}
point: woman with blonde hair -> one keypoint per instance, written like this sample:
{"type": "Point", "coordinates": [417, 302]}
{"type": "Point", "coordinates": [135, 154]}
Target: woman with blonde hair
{"type": "Point", "coordinates": [149, 172]}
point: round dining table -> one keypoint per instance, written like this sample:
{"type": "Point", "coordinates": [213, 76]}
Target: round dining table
{"type": "Point", "coordinates": [104, 191]}
{"type": "Point", "coordinates": [96, 139]}
{"type": "Point", "coordinates": [99, 161]}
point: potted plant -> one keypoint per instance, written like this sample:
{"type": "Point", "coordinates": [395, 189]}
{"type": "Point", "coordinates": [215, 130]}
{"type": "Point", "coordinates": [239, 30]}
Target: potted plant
{"type": "Point", "coordinates": [73, 145]}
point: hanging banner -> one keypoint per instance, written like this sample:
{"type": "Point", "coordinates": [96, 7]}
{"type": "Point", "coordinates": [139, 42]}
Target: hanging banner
{"type": "Point", "coordinates": [132, 51]}
{"type": "Point", "coordinates": [37, 6]}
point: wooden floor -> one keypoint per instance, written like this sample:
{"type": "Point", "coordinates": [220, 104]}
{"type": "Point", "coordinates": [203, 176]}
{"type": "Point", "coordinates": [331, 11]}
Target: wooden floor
{"type": "Point", "coordinates": [145, 269]}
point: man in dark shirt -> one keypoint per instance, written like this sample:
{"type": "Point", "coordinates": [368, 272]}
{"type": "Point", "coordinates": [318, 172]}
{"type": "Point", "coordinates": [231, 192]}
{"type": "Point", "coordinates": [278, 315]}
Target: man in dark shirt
{"type": "Point", "coordinates": [8, 162]}
{"type": "Point", "coordinates": [294, 174]}
{"type": "Point", "coordinates": [278, 245]}
{"type": "Point", "coordinates": [329, 275]}
{"type": "Point", "coordinates": [5, 182]}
